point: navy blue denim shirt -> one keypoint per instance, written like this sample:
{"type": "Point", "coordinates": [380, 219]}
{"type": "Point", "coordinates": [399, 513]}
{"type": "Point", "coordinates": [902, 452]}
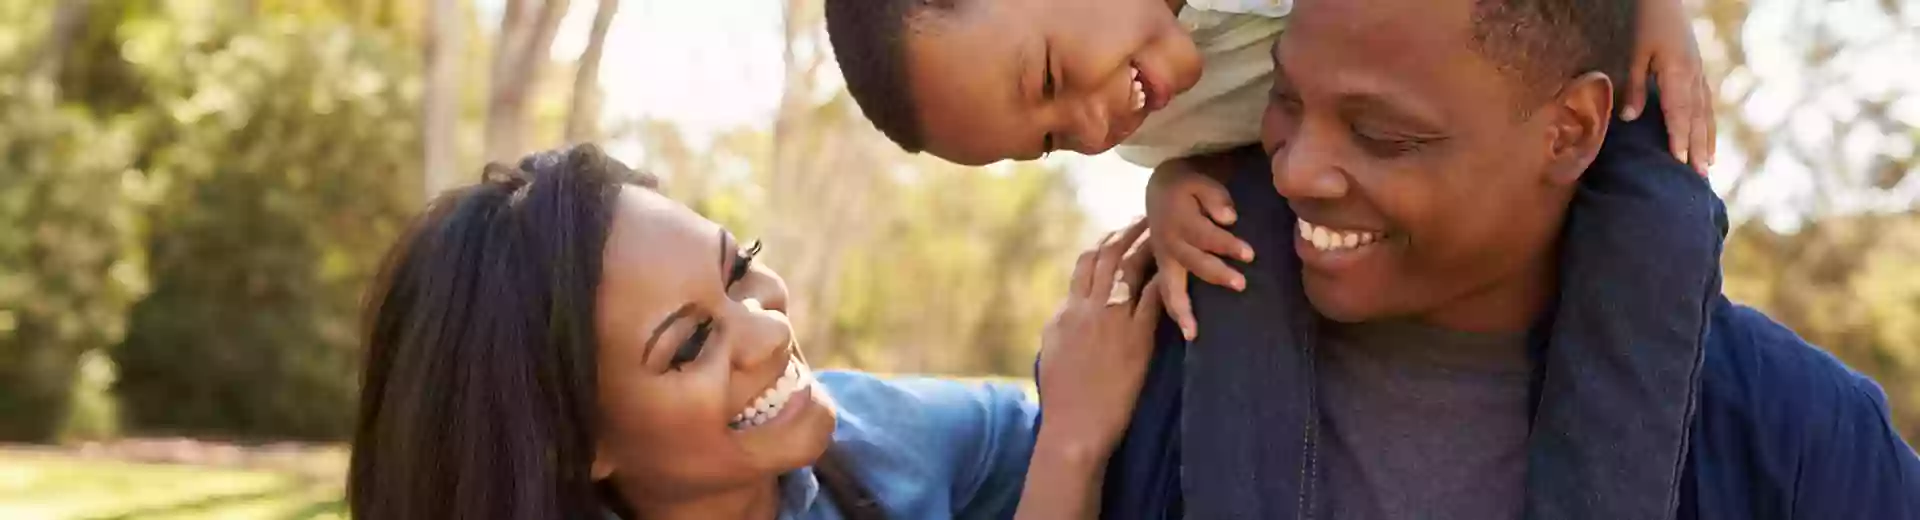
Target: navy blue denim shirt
{"type": "Point", "coordinates": [1655, 397]}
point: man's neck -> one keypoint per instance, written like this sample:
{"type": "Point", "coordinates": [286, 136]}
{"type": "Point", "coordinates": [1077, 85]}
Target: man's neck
{"type": "Point", "coordinates": [1510, 305]}
{"type": "Point", "coordinates": [755, 502]}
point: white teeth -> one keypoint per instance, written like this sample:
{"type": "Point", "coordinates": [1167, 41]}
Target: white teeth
{"type": "Point", "coordinates": [1329, 239]}
{"type": "Point", "coordinates": [775, 398]}
{"type": "Point", "coordinates": [1139, 95]}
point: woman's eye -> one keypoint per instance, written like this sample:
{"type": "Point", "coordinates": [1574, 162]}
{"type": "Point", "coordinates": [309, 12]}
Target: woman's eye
{"type": "Point", "coordinates": [690, 349]}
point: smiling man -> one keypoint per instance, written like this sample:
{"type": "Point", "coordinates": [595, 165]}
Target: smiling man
{"type": "Point", "coordinates": [1464, 308]}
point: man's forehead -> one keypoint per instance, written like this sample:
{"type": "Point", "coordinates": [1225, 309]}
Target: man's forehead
{"type": "Point", "coordinates": [1379, 46]}
{"type": "Point", "coordinates": [1396, 27]}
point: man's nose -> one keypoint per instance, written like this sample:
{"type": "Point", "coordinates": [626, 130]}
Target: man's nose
{"type": "Point", "coordinates": [1303, 168]}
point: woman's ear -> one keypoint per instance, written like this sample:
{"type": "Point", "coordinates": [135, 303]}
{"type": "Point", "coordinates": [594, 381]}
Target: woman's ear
{"type": "Point", "coordinates": [1581, 114]}
{"type": "Point", "coordinates": [601, 467]}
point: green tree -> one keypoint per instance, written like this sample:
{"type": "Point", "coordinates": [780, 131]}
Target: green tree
{"type": "Point", "coordinates": [70, 262]}
{"type": "Point", "coordinates": [290, 149]}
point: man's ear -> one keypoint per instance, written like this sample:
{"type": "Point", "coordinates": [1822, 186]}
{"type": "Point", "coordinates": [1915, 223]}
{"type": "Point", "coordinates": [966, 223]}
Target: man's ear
{"type": "Point", "coordinates": [1580, 115]}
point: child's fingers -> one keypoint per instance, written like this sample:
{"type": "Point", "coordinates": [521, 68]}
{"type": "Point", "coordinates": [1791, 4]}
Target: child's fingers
{"type": "Point", "coordinates": [1703, 130]}
{"type": "Point", "coordinates": [1680, 100]}
{"type": "Point", "coordinates": [1173, 300]}
{"type": "Point", "coordinates": [1637, 86]}
{"type": "Point", "coordinates": [1216, 240]}
{"type": "Point", "coordinates": [1218, 204]}
{"type": "Point", "coordinates": [1172, 282]}
{"type": "Point", "coordinates": [1208, 267]}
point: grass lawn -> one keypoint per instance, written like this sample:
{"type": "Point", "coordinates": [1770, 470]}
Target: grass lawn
{"type": "Point", "coordinates": [40, 484]}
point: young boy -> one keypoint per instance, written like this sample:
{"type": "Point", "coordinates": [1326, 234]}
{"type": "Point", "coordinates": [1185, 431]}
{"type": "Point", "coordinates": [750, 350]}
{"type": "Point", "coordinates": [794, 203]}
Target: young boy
{"type": "Point", "coordinates": [979, 81]}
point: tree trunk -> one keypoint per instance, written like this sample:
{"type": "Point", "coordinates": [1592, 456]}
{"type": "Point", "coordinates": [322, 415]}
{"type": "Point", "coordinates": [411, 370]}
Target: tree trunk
{"type": "Point", "coordinates": [440, 101]}
{"type": "Point", "coordinates": [522, 50]}
{"type": "Point", "coordinates": [68, 19]}
{"type": "Point", "coordinates": [583, 118]}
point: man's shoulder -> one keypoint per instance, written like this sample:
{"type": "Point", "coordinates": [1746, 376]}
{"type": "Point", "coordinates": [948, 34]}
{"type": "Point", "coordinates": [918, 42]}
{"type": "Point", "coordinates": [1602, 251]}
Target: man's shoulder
{"type": "Point", "coordinates": [1745, 347]}
{"type": "Point", "coordinates": [1794, 428]}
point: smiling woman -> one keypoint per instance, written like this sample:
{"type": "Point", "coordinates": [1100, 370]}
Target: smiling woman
{"type": "Point", "coordinates": [559, 341]}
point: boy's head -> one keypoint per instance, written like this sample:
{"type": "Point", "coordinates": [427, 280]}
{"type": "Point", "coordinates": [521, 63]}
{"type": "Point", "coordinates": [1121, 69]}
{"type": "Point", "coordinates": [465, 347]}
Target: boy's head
{"type": "Point", "coordinates": [977, 81]}
{"type": "Point", "coordinates": [1430, 148]}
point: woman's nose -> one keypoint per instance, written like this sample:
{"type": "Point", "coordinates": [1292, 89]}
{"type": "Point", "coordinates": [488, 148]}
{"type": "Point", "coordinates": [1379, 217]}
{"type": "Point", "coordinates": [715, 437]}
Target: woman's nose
{"type": "Point", "coordinates": [765, 336]}
{"type": "Point", "coordinates": [762, 284]}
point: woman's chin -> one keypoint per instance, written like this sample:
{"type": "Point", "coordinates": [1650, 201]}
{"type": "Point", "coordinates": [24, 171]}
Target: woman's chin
{"type": "Point", "coordinates": [796, 438]}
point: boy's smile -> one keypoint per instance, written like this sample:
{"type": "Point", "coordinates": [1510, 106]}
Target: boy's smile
{"type": "Point", "coordinates": [1016, 79]}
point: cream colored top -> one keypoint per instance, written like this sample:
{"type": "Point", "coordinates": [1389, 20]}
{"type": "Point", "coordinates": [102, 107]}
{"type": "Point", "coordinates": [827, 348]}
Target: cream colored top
{"type": "Point", "coordinates": [1223, 110]}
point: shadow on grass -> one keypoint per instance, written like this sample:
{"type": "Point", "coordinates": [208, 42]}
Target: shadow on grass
{"type": "Point", "coordinates": [329, 507]}
{"type": "Point", "coordinates": [208, 503]}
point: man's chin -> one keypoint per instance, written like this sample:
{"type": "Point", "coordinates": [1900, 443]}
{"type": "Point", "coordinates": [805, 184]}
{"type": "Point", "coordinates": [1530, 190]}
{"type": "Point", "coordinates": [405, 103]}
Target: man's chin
{"type": "Point", "coordinates": [1340, 304]}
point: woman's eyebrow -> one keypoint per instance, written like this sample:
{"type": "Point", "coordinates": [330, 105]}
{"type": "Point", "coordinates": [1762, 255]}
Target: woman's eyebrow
{"type": "Point", "coordinates": [647, 351]}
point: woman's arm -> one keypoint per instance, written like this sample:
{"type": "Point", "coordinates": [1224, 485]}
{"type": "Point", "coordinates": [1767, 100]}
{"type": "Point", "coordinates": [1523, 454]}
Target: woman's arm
{"type": "Point", "coordinates": [1093, 360]}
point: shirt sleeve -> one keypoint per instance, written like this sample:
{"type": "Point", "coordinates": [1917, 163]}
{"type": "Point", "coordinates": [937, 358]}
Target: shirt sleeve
{"type": "Point", "coordinates": [1855, 464]}
{"type": "Point", "coordinates": [989, 431]}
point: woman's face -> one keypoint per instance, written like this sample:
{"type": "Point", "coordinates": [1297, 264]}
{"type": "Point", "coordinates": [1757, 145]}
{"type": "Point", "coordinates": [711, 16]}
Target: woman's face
{"type": "Point", "coordinates": [701, 385]}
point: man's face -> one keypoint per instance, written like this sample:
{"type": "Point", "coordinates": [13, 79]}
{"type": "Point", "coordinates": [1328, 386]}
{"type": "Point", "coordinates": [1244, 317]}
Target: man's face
{"type": "Point", "coordinates": [1423, 191]}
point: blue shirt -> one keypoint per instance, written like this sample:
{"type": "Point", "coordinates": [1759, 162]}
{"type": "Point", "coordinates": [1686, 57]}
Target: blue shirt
{"type": "Point", "coordinates": [925, 448]}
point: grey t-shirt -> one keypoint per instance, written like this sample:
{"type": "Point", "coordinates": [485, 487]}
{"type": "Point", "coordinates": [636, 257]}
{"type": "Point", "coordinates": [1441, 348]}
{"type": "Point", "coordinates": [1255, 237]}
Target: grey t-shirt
{"type": "Point", "coordinates": [1422, 423]}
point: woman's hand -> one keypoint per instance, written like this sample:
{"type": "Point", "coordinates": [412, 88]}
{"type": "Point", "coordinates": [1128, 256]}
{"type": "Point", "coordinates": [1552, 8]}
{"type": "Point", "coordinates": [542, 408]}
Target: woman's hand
{"type": "Point", "coordinates": [1094, 353]}
{"type": "Point", "coordinates": [1093, 359]}
{"type": "Point", "coordinates": [1666, 49]}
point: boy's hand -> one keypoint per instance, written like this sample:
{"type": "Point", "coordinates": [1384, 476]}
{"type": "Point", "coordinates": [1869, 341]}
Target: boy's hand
{"type": "Point", "coordinates": [1185, 210]}
{"type": "Point", "coordinates": [1667, 50]}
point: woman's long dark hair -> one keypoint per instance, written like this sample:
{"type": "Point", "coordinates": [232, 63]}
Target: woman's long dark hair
{"type": "Point", "coordinates": [478, 397]}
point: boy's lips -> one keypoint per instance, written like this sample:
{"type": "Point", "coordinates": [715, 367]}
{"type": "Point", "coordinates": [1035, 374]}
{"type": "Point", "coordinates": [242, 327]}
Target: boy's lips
{"type": "Point", "coordinates": [1158, 93]}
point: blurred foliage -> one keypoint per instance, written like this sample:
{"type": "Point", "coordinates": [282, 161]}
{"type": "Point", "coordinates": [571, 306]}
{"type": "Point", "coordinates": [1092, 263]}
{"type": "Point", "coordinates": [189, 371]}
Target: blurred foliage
{"type": "Point", "coordinates": [70, 259]}
{"type": "Point", "coordinates": [1823, 146]}
{"type": "Point", "coordinates": [288, 147]}
{"type": "Point", "coordinates": [70, 262]}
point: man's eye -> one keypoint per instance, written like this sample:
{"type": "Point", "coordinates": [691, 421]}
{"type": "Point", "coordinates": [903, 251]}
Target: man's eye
{"type": "Point", "coordinates": [690, 349]}
{"type": "Point", "coordinates": [1382, 146]}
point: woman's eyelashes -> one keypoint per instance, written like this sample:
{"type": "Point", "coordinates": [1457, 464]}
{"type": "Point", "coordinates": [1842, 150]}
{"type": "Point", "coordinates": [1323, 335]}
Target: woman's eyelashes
{"type": "Point", "coordinates": [690, 349]}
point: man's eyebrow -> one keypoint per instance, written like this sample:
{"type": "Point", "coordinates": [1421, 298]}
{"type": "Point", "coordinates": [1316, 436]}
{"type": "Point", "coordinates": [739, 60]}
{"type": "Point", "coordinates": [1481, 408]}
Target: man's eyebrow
{"type": "Point", "coordinates": [1384, 108]}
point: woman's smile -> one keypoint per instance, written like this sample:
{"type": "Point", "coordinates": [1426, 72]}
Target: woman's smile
{"type": "Point", "coordinates": [788, 396]}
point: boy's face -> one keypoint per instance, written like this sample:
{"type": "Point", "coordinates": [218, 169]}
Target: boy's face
{"type": "Point", "coordinates": [1015, 79]}
{"type": "Point", "coordinates": [1422, 191]}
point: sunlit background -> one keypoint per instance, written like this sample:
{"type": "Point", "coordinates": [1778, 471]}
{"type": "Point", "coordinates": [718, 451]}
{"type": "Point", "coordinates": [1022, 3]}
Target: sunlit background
{"type": "Point", "coordinates": [193, 195]}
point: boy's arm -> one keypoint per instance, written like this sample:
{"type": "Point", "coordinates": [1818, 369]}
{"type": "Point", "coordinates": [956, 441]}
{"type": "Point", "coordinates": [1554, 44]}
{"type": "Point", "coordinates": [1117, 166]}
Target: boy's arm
{"type": "Point", "coordinates": [1187, 209]}
{"type": "Point", "coordinates": [1666, 49]}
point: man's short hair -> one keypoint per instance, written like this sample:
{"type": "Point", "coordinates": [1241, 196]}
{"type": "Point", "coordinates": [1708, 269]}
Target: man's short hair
{"type": "Point", "coordinates": [1546, 42]}
{"type": "Point", "coordinates": [869, 39]}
